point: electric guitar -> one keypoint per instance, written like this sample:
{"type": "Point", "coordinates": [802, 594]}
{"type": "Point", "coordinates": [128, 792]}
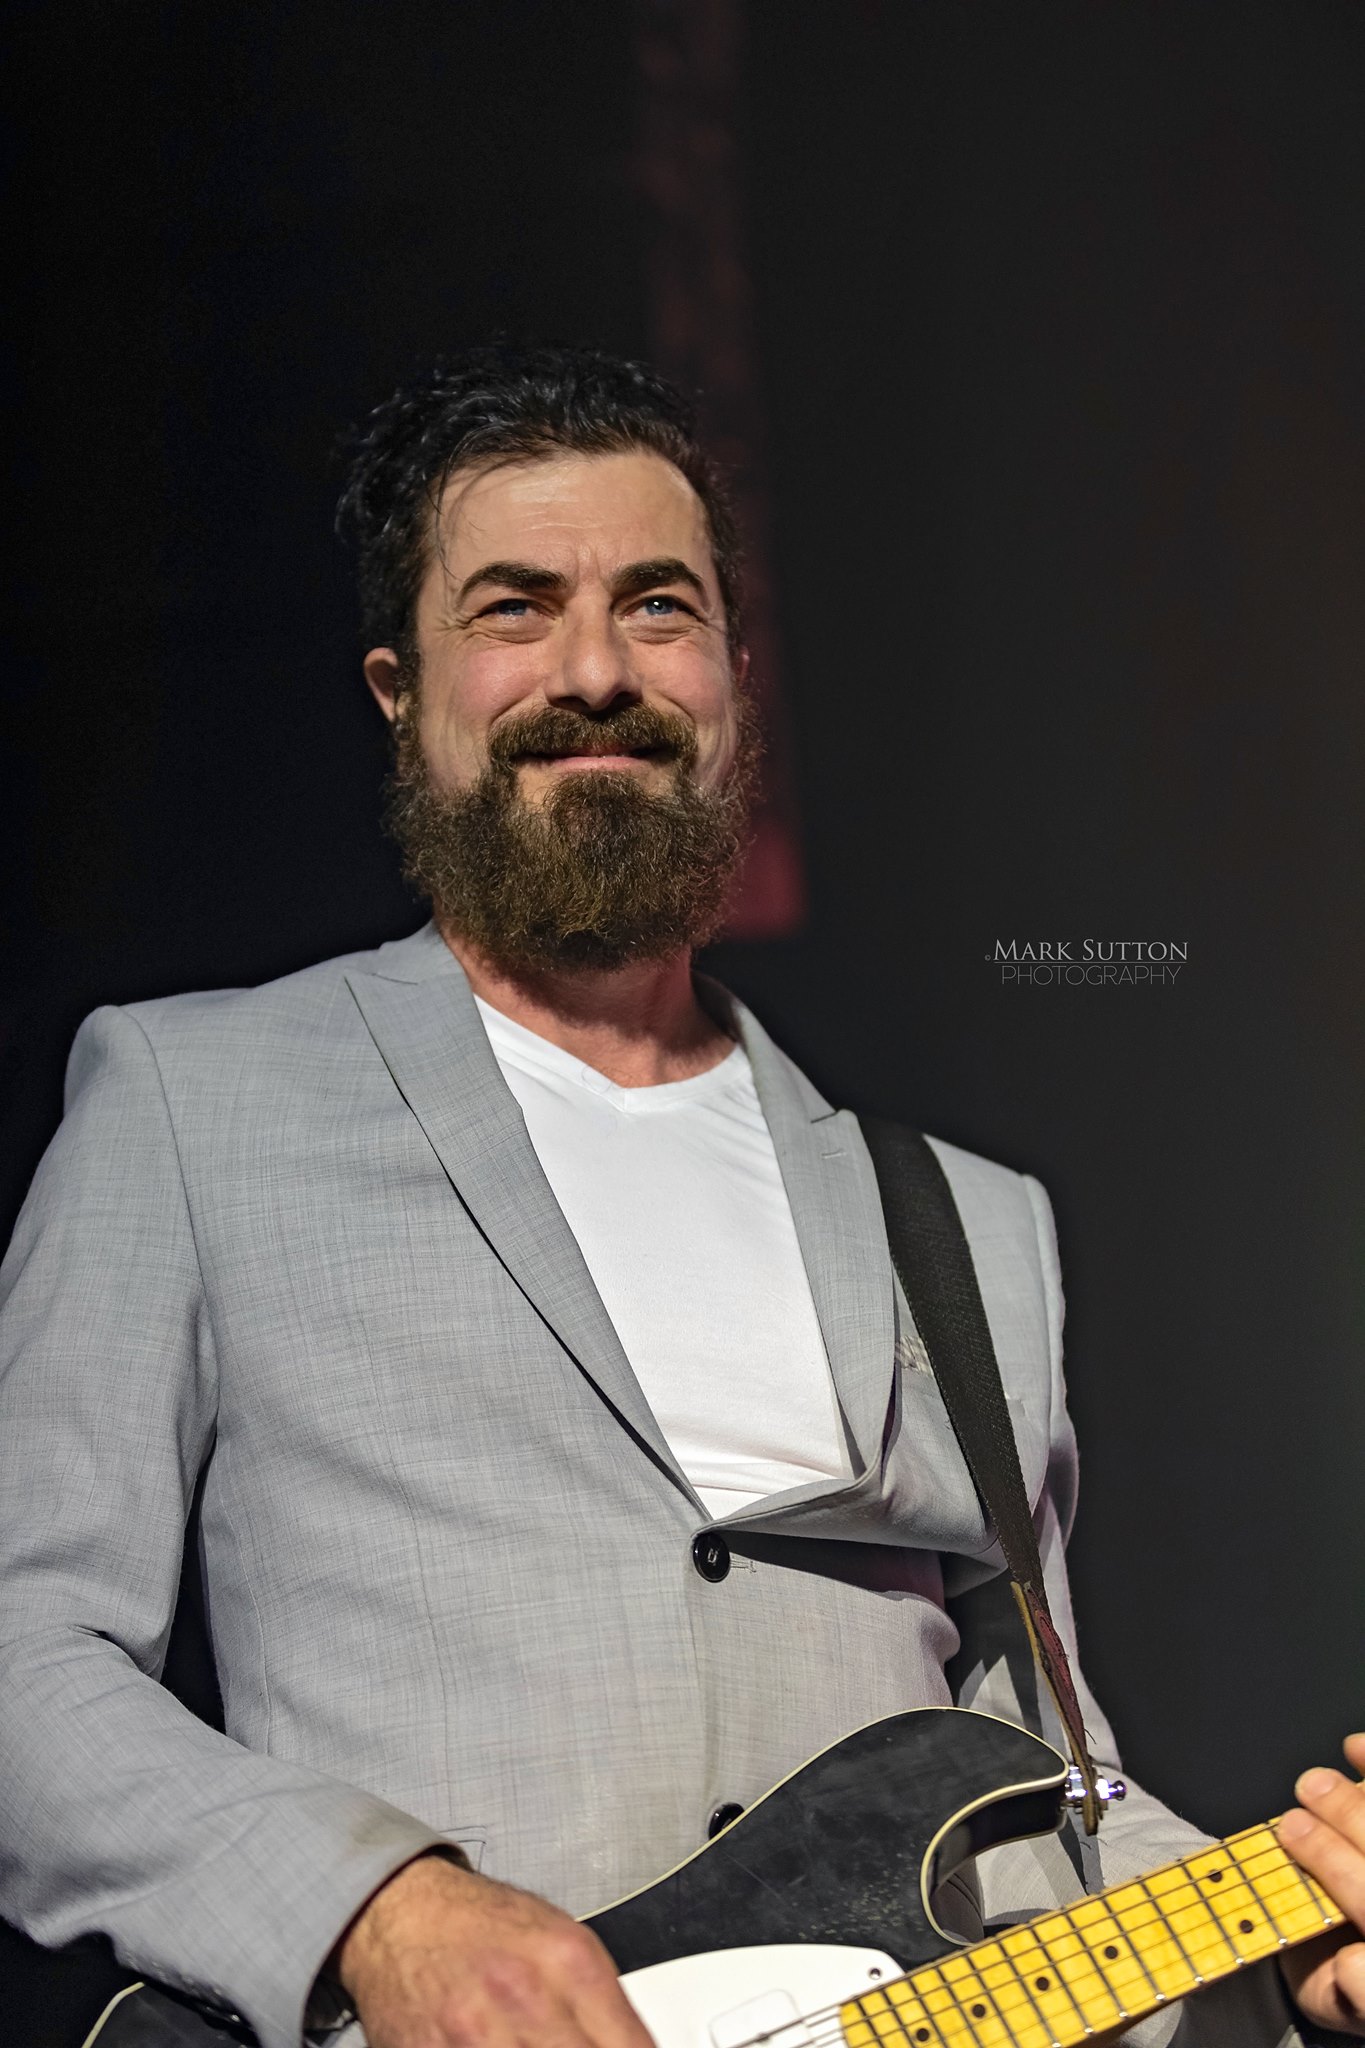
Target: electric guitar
{"type": "Point", "coordinates": [809, 1922]}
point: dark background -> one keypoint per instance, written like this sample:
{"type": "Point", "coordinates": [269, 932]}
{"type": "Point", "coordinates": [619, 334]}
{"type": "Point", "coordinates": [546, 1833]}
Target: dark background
{"type": "Point", "coordinates": [1060, 321]}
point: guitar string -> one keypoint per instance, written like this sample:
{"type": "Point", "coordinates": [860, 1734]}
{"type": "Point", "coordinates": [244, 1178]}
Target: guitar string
{"type": "Point", "coordinates": [983, 1990]}
{"type": "Point", "coordinates": [1022, 1978]}
{"type": "Point", "coordinates": [923, 2026]}
{"type": "Point", "coordinates": [1165, 1919]}
{"type": "Point", "coordinates": [828, 2016]}
{"type": "Point", "coordinates": [1255, 1888]}
{"type": "Point", "coordinates": [1042, 1950]}
{"type": "Point", "coordinates": [1304, 1885]}
{"type": "Point", "coordinates": [1288, 1873]}
{"type": "Point", "coordinates": [1138, 1956]}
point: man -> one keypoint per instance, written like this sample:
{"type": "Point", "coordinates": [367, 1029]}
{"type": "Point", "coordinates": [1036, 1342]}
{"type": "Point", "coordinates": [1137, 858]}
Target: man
{"type": "Point", "coordinates": [472, 1279]}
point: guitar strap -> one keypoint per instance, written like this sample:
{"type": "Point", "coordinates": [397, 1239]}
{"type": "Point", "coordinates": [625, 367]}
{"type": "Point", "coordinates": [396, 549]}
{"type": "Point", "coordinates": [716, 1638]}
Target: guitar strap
{"type": "Point", "coordinates": [930, 1252]}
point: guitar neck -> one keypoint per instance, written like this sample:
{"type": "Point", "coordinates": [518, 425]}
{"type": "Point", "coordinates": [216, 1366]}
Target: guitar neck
{"type": "Point", "coordinates": [1106, 1961]}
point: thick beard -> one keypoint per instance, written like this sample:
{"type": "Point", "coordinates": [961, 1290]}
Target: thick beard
{"type": "Point", "coordinates": [603, 872]}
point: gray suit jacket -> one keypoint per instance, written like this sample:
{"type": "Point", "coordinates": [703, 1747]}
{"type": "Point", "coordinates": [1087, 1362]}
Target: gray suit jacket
{"type": "Point", "coordinates": [297, 1238]}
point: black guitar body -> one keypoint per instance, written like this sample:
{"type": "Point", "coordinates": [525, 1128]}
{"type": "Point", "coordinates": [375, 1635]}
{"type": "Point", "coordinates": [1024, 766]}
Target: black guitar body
{"type": "Point", "coordinates": [852, 1846]}
{"type": "Point", "coordinates": [849, 1849]}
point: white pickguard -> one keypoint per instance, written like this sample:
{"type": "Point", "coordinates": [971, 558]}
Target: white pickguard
{"type": "Point", "coordinates": [736, 1996]}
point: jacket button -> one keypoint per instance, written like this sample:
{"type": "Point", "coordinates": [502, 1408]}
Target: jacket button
{"type": "Point", "coordinates": [711, 1555]}
{"type": "Point", "coordinates": [728, 1810]}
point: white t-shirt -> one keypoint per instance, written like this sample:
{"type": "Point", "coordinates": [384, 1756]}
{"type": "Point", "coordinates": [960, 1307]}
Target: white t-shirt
{"type": "Point", "coordinates": [676, 1199]}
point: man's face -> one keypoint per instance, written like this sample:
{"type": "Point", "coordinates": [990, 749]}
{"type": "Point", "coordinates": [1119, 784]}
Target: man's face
{"type": "Point", "coordinates": [582, 581]}
{"type": "Point", "coordinates": [573, 751]}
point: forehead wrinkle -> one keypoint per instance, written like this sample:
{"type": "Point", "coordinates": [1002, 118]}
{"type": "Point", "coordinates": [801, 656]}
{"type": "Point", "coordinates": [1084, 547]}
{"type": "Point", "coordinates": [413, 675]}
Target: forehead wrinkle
{"type": "Point", "coordinates": [456, 522]}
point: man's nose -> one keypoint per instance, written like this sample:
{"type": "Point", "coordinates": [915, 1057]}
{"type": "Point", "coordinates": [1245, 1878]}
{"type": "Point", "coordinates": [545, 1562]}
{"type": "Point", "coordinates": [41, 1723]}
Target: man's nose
{"type": "Point", "coordinates": [595, 667]}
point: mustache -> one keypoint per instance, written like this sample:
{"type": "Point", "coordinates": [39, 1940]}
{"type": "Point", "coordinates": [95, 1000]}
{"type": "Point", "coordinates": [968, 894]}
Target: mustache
{"type": "Point", "coordinates": [630, 729]}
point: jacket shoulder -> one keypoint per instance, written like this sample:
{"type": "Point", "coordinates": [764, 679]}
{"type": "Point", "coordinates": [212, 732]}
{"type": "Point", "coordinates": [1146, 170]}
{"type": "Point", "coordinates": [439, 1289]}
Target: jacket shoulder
{"type": "Point", "coordinates": [1000, 1203]}
{"type": "Point", "coordinates": [292, 1005]}
{"type": "Point", "coordinates": [986, 1182]}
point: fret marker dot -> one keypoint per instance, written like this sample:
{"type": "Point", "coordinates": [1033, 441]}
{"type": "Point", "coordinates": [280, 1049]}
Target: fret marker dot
{"type": "Point", "coordinates": [1246, 1926]}
{"type": "Point", "coordinates": [1215, 1877]}
{"type": "Point", "coordinates": [1043, 1983]}
{"type": "Point", "coordinates": [978, 2012]}
{"type": "Point", "coordinates": [923, 2034]}
{"type": "Point", "coordinates": [1111, 1952]}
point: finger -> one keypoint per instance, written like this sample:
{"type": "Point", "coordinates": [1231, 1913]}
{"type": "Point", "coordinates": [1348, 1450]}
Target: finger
{"type": "Point", "coordinates": [1354, 1746]}
{"type": "Point", "coordinates": [428, 2009]}
{"type": "Point", "coordinates": [1329, 1856]}
{"type": "Point", "coordinates": [1350, 1982]}
{"type": "Point", "coordinates": [599, 2003]}
{"type": "Point", "coordinates": [1336, 1799]}
{"type": "Point", "coordinates": [1327, 1980]}
{"type": "Point", "coordinates": [553, 2027]}
{"type": "Point", "coordinates": [609, 2019]}
{"type": "Point", "coordinates": [525, 2008]}
{"type": "Point", "coordinates": [466, 2021]}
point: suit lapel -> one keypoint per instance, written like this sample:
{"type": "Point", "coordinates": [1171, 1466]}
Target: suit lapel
{"type": "Point", "coordinates": [420, 1012]}
{"type": "Point", "coordinates": [837, 1209]}
{"type": "Point", "coordinates": [837, 1212]}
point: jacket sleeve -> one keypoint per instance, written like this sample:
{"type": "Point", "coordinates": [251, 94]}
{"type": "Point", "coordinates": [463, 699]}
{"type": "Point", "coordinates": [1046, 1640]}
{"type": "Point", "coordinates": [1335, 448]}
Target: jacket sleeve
{"type": "Point", "coordinates": [994, 1672]}
{"type": "Point", "coordinates": [226, 1873]}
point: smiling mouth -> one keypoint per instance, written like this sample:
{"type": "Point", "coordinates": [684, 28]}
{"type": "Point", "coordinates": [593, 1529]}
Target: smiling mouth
{"type": "Point", "coordinates": [600, 757]}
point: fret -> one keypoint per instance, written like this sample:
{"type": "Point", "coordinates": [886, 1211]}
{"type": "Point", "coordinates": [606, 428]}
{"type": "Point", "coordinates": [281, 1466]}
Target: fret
{"type": "Point", "coordinates": [975, 2001]}
{"type": "Point", "coordinates": [1173, 1895]}
{"type": "Point", "coordinates": [1292, 1909]}
{"type": "Point", "coordinates": [1106, 1961]}
{"type": "Point", "coordinates": [1076, 1964]}
{"type": "Point", "coordinates": [1325, 1911]}
{"type": "Point", "coordinates": [949, 2022]}
{"type": "Point", "coordinates": [863, 2023]}
{"type": "Point", "coordinates": [908, 2022]}
{"type": "Point", "coordinates": [1192, 1919]}
{"type": "Point", "coordinates": [1211, 1876]}
{"type": "Point", "coordinates": [1012, 1986]}
{"type": "Point", "coordinates": [1120, 1964]}
{"type": "Point", "coordinates": [1242, 1911]}
{"type": "Point", "coordinates": [955, 2004]}
{"type": "Point", "coordinates": [996, 2020]}
{"type": "Point", "coordinates": [1032, 1949]}
{"type": "Point", "coordinates": [1142, 1922]}
{"type": "Point", "coordinates": [915, 2019]}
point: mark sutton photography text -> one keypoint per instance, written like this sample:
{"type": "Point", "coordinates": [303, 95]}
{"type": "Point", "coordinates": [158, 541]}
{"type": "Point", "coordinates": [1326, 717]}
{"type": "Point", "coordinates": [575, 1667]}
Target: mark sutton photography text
{"type": "Point", "coordinates": [1088, 963]}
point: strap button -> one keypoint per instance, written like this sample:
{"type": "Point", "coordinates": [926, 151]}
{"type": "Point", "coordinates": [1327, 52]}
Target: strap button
{"type": "Point", "coordinates": [711, 1555]}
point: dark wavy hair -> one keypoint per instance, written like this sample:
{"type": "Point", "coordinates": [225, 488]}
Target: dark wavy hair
{"type": "Point", "coordinates": [505, 401]}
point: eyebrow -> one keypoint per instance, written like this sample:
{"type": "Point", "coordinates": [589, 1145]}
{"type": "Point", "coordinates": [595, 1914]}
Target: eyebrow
{"type": "Point", "coordinates": [638, 576]}
{"type": "Point", "coordinates": [513, 576]}
{"type": "Point", "coordinates": [627, 582]}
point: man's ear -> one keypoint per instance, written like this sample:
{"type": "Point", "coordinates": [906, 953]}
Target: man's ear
{"type": "Point", "coordinates": [739, 668]}
{"type": "Point", "coordinates": [384, 674]}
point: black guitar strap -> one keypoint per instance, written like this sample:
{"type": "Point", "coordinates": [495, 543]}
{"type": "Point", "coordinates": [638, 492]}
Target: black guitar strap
{"type": "Point", "coordinates": [930, 1251]}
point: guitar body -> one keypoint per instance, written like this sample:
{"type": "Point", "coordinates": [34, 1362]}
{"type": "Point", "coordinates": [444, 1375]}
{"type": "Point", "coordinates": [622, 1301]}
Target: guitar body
{"type": "Point", "coordinates": [821, 1888]}
{"type": "Point", "coordinates": [850, 1848]}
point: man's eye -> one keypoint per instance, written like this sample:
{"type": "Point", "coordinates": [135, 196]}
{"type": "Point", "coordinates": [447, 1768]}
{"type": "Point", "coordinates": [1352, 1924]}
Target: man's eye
{"type": "Point", "coordinates": [509, 608]}
{"type": "Point", "coordinates": [660, 607]}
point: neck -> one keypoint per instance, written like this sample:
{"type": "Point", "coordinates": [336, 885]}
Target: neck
{"type": "Point", "coordinates": [639, 1025]}
{"type": "Point", "coordinates": [1075, 1976]}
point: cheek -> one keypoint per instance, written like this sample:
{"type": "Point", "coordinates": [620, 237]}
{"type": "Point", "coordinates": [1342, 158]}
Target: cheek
{"type": "Point", "coordinates": [705, 691]}
{"type": "Point", "coordinates": [471, 697]}
{"type": "Point", "coordinates": [715, 713]}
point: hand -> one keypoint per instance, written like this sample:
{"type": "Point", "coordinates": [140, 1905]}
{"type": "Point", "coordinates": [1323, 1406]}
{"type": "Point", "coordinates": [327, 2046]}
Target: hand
{"type": "Point", "coordinates": [443, 1958]}
{"type": "Point", "coordinates": [1325, 1832]}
